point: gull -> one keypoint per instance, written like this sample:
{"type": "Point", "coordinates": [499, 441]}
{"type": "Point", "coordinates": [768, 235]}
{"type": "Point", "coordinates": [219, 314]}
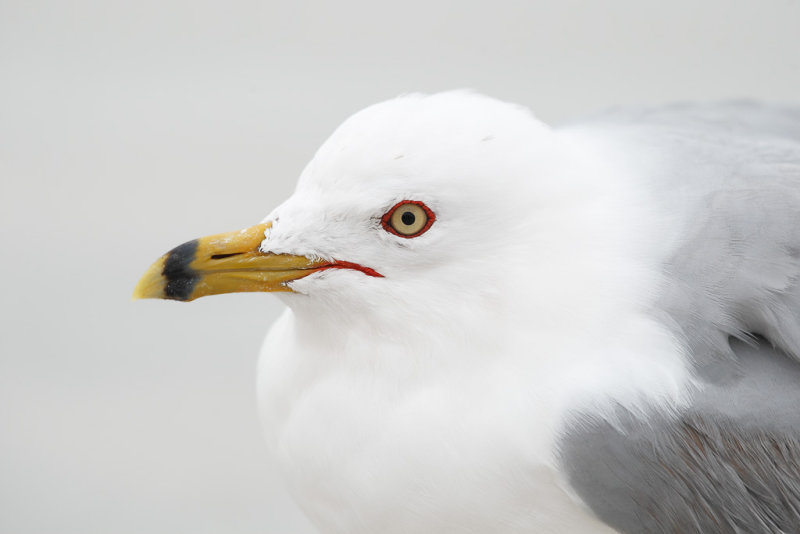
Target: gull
{"type": "Point", "coordinates": [498, 326]}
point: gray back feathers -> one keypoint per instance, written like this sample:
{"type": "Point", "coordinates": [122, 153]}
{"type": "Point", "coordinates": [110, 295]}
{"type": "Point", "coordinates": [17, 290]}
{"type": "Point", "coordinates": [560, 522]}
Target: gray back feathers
{"type": "Point", "coordinates": [731, 462]}
{"type": "Point", "coordinates": [732, 172]}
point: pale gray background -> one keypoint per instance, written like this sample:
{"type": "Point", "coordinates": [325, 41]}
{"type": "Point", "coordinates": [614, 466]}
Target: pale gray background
{"type": "Point", "coordinates": [129, 127]}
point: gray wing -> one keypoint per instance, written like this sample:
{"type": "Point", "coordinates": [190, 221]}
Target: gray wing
{"type": "Point", "coordinates": [730, 463]}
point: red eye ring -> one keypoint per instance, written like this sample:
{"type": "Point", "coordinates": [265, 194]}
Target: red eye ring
{"type": "Point", "coordinates": [387, 219]}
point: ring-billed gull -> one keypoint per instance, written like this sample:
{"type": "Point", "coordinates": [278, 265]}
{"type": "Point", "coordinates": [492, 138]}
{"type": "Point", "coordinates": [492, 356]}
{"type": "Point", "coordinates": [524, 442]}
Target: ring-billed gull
{"type": "Point", "coordinates": [495, 326]}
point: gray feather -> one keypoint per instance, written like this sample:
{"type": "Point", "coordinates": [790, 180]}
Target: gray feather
{"type": "Point", "coordinates": [733, 173]}
{"type": "Point", "coordinates": [730, 463]}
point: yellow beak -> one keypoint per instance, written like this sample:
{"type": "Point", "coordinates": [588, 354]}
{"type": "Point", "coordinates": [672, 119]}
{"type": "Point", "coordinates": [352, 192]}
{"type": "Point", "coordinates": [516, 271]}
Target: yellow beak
{"type": "Point", "coordinates": [224, 263]}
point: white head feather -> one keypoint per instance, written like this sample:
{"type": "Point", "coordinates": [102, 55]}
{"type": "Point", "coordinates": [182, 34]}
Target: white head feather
{"type": "Point", "coordinates": [540, 263]}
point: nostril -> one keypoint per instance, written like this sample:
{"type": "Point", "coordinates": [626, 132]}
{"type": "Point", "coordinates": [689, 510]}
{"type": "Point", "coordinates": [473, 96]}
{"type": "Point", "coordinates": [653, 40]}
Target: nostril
{"type": "Point", "coordinates": [223, 256]}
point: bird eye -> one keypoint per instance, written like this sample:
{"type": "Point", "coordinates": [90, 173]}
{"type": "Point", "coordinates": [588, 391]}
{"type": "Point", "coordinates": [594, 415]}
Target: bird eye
{"type": "Point", "coordinates": [408, 218]}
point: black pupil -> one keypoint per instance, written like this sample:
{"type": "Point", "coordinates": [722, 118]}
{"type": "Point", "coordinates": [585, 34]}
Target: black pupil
{"type": "Point", "coordinates": [408, 218]}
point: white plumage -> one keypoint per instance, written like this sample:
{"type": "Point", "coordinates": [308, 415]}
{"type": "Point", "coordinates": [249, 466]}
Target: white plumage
{"type": "Point", "coordinates": [553, 354]}
{"type": "Point", "coordinates": [430, 400]}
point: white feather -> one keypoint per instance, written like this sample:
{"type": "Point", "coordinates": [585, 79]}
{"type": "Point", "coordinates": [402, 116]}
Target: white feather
{"type": "Point", "coordinates": [430, 400]}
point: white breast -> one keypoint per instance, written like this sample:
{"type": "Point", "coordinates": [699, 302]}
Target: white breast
{"type": "Point", "coordinates": [366, 451]}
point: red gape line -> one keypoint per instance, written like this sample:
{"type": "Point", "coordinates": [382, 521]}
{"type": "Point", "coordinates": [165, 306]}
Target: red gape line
{"type": "Point", "coordinates": [348, 265]}
{"type": "Point", "coordinates": [388, 217]}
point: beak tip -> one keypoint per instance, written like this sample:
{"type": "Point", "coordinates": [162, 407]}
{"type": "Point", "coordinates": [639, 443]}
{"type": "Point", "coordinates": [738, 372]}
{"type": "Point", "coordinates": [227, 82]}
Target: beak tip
{"type": "Point", "coordinates": [152, 284]}
{"type": "Point", "coordinates": [137, 295]}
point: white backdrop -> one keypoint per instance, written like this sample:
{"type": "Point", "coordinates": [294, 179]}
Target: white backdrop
{"type": "Point", "coordinates": [129, 127]}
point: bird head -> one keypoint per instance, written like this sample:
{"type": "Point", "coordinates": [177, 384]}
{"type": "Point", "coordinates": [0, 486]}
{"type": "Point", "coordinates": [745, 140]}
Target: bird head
{"type": "Point", "coordinates": [419, 201]}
